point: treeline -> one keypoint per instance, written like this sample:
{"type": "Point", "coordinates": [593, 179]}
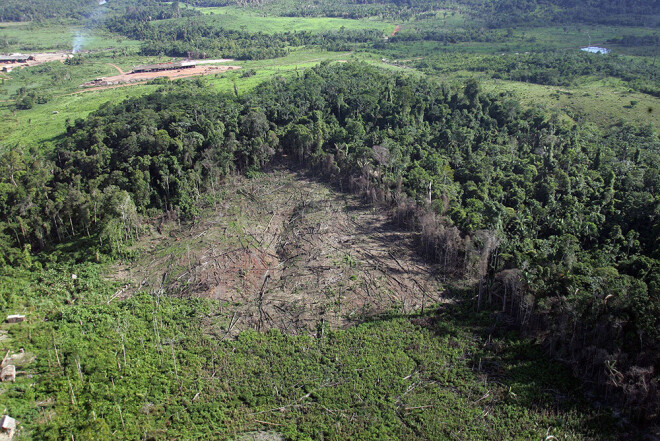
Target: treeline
{"type": "Point", "coordinates": [493, 14]}
{"type": "Point", "coordinates": [506, 13]}
{"type": "Point", "coordinates": [557, 225]}
{"type": "Point", "coordinates": [352, 9]}
{"type": "Point", "coordinates": [452, 36]}
{"type": "Point", "coordinates": [145, 11]}
{"type": "Point", "coordinates": [554, 68]}
{"type": "Point", "coordinates": [192, 38]}
{"type": "Point", "coordinates": [636, 40]}
{"type": "Point", "coordinates": [37, 10]}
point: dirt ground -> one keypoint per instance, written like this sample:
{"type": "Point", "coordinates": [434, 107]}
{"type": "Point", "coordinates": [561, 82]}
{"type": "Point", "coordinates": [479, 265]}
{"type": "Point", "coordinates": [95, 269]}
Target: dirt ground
{"type": "Point", "coordinates": [128, 78]}
{"type": "Point", "coordinates": [39, 58]}
{"type": "Point", "coordinates": [286, 251]}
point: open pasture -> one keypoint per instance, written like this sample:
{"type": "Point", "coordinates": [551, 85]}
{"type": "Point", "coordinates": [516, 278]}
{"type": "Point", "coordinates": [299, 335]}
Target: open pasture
{"type": "Point", "coordinates": [51, 36]}
{"type": "Point", "coordinates": [242, 19]}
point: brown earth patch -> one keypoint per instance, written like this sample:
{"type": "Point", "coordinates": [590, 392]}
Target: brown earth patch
{"type": "Point", "coordinates": [136, 77]}
{"type": "Point", "coordinates": [121, 72]}
{"type": "Point", "coordinates": [39, 58]}
{"type": "Point", "coordinates": [286, 251]}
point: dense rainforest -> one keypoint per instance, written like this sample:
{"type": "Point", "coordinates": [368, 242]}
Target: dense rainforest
{"type": "Point", "coordinates": [556, 224]}
{"type": "Point", "coordinates": [39, 10]}
{"type": "Point", "coordinates": [16, 10]}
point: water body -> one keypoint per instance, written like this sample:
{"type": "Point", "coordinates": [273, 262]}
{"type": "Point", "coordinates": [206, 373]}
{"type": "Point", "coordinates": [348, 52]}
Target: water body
{"type": "Point", "coordinates": [596, 50]}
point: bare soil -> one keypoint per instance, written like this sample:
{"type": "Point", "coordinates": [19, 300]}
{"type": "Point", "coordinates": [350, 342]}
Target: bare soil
{"type": "Point", "coordinates": [286, 251]}
{"type": "Point", "coordinates": [121, 72]}
{"type": "Point", "coordinates": [130, 77]}
{"type": "Point", "coordinates": [39, 58]}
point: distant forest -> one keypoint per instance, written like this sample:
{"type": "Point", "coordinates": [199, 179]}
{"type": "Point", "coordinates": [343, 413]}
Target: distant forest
{"type": "Point", "coordinates": [37, 10]}
{"type": "Point", "coordinates": [494, 14]}
{"type": "Point", "coordinates": [553, 68]}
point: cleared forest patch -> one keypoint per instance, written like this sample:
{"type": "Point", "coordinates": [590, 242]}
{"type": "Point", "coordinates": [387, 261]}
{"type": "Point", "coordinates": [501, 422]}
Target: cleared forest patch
{"type": "Point", "coordinates": [285, 251]}
{"type": "Point", "coordinates": [139, 77]}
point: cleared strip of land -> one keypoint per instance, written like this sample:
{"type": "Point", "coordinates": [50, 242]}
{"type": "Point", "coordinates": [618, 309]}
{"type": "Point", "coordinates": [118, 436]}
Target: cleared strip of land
{"type": "Point", "coordinates": [288, 252]}
{"type": "Point", "coordinates": [173, 74]}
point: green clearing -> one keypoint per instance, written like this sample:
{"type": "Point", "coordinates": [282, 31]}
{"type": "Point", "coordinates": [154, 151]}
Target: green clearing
{"type": "Point", "coordinates": [604, 102]}
{"type": "Point", "coordinates": [519, 40]}
{"type": "Point", "coordinates": [296, 61]}
{"type": "Point", "coordinates": [40, 124]}
{"type": "Point", "coordinates": [55, 36]}
{"type": "Point", "coordinates": [567, 37]}
{"type": "Point", "coordinates": [159, 367]}
{"type": "Point", "coordinates": [60, 84]}
{"type": "Point", "coordinates": [71, 102]}
{"type": "Point", "coordinates": [241, 19]}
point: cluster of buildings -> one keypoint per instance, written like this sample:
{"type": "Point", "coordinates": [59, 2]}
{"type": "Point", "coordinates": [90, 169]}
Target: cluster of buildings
{"type": "Point", "coordinates": [18, 58]}
{"type": "Point", "coordinates": [183, 64]}
{"type": "Point", "coordinates": [7, 62]}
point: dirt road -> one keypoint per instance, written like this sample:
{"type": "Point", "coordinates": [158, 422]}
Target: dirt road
{"type": "Point", "coordinates": [121, 72]}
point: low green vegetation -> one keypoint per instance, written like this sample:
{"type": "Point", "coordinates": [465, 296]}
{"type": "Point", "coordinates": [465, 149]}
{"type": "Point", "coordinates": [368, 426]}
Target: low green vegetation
{"type": "Point", "coordinates": [55, 36]}
{"type": "Point", "coordinates": [158, 367]}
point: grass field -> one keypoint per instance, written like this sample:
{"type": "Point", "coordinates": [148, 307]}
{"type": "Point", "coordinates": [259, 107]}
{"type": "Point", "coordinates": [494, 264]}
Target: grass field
{"type": "Point", "coordinates": [41, 124]}
{"type": "Point", "coordinates": [296, 61]}
{"type": "Point", "coordinates": [556, 37]}
{"type": "Point", "coordinates": [604, 102]}
{"type": "Point", "coordinates": [243, 19]}
{"type": "Point", "coordinates": [51, 36]}
{"type": "Point", "coordinates": [522, 40]}
{"type": "Point", "coordinates": [19, 125]}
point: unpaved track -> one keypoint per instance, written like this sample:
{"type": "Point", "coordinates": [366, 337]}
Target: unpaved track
{"type": "Point", "coordinates": [134, 77]}
{"type": "Point", "coordinates": [285, 251]}
{"type": "Point", "coordinates": [121, 72]}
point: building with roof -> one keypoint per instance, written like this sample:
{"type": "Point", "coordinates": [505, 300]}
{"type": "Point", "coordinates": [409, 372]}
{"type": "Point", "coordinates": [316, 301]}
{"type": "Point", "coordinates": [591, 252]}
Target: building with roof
{"type": "Point", "coordinates": [184, 64]}
{"type": "Point", "coordinates": [15, 318]}
{"type": "Point", "coordinates": [7, 427]}
{"type": "Point", "coordinates": [15, 58]}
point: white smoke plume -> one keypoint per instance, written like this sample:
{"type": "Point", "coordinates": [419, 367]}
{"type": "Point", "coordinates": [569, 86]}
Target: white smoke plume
{"type": "Point", "coordinates": [78, 41]}
{"type": "Point", "coordinates": [94, 19]}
